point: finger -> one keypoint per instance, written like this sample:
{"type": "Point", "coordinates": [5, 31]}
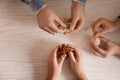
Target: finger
{"type": "Point", "coordinates": [73, 24]}
{"type": "Point", "coordinates": [54, 54]}
{"type": "Point", "coordinates": [48, 30]}
{"type": "Point", "coordinates": [92, 26]}
{"type": "Point", "coordinates": [95, 52]}
{"type": "Point", "coordinates": [71, 56]}
{"type": "Point", "coordinates": [99, 50]}
{"type": "Point", "coordinates": [67, 20]}
{"type": "Point", "coordinates": [60, 22]}
{"type": "Point", "coordinates": [55, 28]}
{"type": "Point", "coordinates": [103, 26]}
{"type": "Point", "coordinates": [75, 52]}
{"type": "Point", "coordinates": [62, 58]}
{"type": "Point", "coordinates": [78, 26]}
{"type": "Point", "coordinates": [51, 25]}
{"type": "Point", "coordinates": [103, 31]}
{"type": "Point", "coordinates": [96, 24]}
{"type": "Point", "coordinates": [72, 46]}
{"type": "Point", "coordinates": [104, 40]}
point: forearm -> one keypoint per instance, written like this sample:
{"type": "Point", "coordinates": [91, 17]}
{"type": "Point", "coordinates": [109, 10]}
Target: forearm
{"type": "Point", "coordinates": [82, 76]}
{"type": "Point", "coordinates": [52, 77]}
{"type": "Point", "coordinates": [35, 5]}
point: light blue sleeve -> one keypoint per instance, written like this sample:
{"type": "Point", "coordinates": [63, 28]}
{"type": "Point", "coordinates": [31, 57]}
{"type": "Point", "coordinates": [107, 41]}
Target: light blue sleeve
{"type": "Point", "coordinates": [83, 2]}
{"type": "Point", "coordinates": [35, 5]}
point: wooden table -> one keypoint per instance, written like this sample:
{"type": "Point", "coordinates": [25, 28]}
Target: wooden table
{"type": "Point", "coordinates": [24, 48]}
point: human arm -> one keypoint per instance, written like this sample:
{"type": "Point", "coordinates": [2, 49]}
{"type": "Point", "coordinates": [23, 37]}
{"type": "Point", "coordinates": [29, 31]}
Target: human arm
{"type": "Point", "coordinates": [46, 17]}
{"type": "Point", "coordinates": [110, 48]}
{"type": "Point", "coordinates": [76, 63]}
{"type": "Point", "coordinates": [105, 25]}
{"type": "Point", "coordinates": [77, 18]}
{"type": "Point", "coordinates": [35, 5]}
{"type": "Point", "coordinates": [55, 65]}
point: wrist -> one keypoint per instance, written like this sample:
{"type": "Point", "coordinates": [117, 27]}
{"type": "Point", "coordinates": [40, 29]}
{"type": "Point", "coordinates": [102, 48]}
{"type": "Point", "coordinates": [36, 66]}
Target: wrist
{"type": "Point", "coordinates": [83, 2]}
{"type": "Point", "coordinates": [37, 5]}
{"type": "Point", "coordinates": [37, 12]}
{"type": "Point", "coordinates": [78, 4]}
{"type": "Point", "coordinates": [51, 77]}
{"type": "Point", "coordinates": [82, 76]}
{"type": "Point", "coordinates": [45, 9]}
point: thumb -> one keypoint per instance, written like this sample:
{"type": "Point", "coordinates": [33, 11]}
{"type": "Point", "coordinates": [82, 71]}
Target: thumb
{"type": "Point", "coordinates": [60, 22]}
{"type": "Point", "coordinates": [101, 32]}
{"type": "Point", "coordinates": [95, 25]}
{"type": "Point", "coordinates": [71, 56]}
{"type": "Point", "coordinates": [104, 40]}
{"type": "Point", "coordinates": [67, 20]}
{"type": "Point", "coordinates": [62, 58]}
{"type": "Point", "coordinates": [73, 24]}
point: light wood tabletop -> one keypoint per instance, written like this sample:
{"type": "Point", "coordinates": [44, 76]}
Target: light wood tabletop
{"type": "Point", "coordinates": [25, 48]}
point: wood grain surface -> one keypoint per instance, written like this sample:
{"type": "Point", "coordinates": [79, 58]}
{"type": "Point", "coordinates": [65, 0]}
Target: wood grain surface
{"type": "Point", "coordinates": [24, 47]}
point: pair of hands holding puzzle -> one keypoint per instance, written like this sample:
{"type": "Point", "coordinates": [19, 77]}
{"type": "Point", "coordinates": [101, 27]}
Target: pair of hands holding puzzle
{"type": "Point", "coordinates": [49, 21]}
{"type": "Point", "coordinates": [58, 56]}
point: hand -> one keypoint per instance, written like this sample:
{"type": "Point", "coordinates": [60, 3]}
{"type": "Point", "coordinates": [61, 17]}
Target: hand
{"type": "Point", "coordinates": [111, 48]}
{"type": "Point", "coordinates": [47, 20]}
{"type": "Point", "coordinates": [76, 63]}
{"type": "Point", "coordinates": [77, 17]}
{"type": "Point", "coordinates": [55, 65]}
{"type": "Point", "coordinates": [106, 25]}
